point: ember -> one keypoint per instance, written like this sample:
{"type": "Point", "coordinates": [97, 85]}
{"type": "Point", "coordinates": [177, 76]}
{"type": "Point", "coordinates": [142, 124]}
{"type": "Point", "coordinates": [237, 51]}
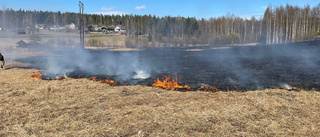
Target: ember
{"type": "Point", "coordinates": [169, 84]}
{"type": "Point", "coordinates": [36, 75]}
{"type": "Point", "coordinates": [94, 78]}
{"type": "Point", "coordinates": [107, 81]}
{"type": "Point", "coordinates": [206, 87]}
{"type": "Point", "coordinates": [58, 78]}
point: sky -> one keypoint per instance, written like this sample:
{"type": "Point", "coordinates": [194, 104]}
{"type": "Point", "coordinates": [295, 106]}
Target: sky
{"type": "Point", "coordinates": [185, 8]}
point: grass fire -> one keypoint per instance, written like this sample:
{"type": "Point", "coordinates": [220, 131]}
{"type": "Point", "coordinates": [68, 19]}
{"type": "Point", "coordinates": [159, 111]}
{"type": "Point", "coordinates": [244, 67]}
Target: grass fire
{"type": "Point", "coordinates": [159, 75]}
{"type": "Point", "coordinates": [36, 75]}
{"type": "Point", "coordinates": [39, 76]}
{"type": "Point", "coordinates": [170, 84]}
{"type": "Point", "coordinates": [231, 68]}
{"type": "Point", "coordinates": [107, 80]}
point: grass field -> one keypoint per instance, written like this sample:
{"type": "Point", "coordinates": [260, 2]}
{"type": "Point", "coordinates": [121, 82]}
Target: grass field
{"type": "Point", "coordinates": [80, 107]}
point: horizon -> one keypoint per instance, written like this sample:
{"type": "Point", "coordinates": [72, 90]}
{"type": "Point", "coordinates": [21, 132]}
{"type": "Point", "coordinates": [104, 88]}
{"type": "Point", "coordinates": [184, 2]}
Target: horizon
{"type": "Point", "coordinates": [190, 8]}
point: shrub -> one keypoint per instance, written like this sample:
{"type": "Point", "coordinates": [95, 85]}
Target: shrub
{"type": "Point", "coordinates": [95, 43]}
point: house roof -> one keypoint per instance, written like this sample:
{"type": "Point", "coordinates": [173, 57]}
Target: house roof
{"type": "Point", "coordinates": [27, 42]}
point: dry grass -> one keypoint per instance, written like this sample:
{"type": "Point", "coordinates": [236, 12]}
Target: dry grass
{"type": "Point", "coordinates": [80, 107]}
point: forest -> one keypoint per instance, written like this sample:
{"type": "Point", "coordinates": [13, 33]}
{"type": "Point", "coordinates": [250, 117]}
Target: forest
{"type": "Point", "coordinates": [279, 24]}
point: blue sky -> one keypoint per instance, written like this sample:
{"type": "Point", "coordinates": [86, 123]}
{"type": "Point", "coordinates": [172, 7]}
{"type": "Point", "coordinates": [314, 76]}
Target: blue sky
{"type": "Point", "coordinates": [185, 8]}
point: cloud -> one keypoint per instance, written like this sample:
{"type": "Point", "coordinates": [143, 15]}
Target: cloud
{"type": "Point", "coordinates": [141, 7]}
{"type": "Point", "coordinates": [110, 13]}
{"type": "Point", "coordinates": [108, 8]}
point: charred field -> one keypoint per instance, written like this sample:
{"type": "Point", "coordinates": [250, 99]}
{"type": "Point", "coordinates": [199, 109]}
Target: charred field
{"type": "Point", "coordinates": [83, 107]}
{"type": "Point", "coordinates": [241, 68]}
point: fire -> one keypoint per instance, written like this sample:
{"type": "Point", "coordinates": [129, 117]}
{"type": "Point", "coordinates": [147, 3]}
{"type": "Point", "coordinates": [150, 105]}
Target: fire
{"type": "Point", "coordinates": [94, 79]}
{"type": "Point", "coordinates": [107, 81]}
{"type": "Point", "coordinates": [206, 87]}
{"type": "Point", "coordinates": [58, 78]}
{"type": "Point", "coordinates": [36, 75]}
{"type": "Point", "coordinates": [169, 84]}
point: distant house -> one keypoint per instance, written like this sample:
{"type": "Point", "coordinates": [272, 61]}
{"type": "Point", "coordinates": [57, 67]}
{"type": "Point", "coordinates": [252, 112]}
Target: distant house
{"type": "Point", "coordinates": [91, 28]}
{"type": "Point", "coordinates": [31, 45]}
{"type": "Point", "coordinates": [39, 26]}
{"type": "Point", "coordinates": [117, 29]}
{"type": "Point", "coordinates": [103, 28]}
{"type": "Point", "coordinates": [109, 30]}
{"type": "Point", "coordinates": [56, 28]}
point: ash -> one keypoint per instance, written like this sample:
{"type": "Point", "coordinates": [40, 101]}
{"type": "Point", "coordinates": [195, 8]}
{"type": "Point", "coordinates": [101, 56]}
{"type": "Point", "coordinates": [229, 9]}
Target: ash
{"type": "Point", "coordinates": [228, 67]}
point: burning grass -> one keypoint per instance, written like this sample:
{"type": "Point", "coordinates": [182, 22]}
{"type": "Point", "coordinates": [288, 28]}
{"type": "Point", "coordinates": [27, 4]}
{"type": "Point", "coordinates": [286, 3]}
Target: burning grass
{"type": "Point", "coordinates": [170, 84]}
{"type": "Point", "coordinates": [173, 84]}
{"type": "Point", "coordinates": [206, 87]}
{"type": "Point", "coordinates": [106, 81]}
{"type": "Point", "coordinates": [83, 107]}
{"type": "Point", "coordinates": [38, 75]}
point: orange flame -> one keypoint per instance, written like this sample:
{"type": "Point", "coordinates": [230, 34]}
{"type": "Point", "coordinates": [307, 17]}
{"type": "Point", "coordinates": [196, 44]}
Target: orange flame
{"type": "Point", "coordinates": [58, 78]}
{"type": "Point", "coordinates": [36, 75]}
{"type": "Point", "coordinates": [108, 80]}
{"type": "Point", "coordinates": [94, 79]}
{"type": "Point", "coordinates": [169, 84]}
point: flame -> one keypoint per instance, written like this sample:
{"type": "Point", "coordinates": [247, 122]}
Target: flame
{"type": "Point", "coordinates": [94, 79]}
{"type": "Point", "coordinates": [169, 84]}
{"type": "Point", "coordinates": [58, 78]}
{"type": "Point", "coordinates": [107, 81]}
{"type": "Point", "coordinates": [36, 75]}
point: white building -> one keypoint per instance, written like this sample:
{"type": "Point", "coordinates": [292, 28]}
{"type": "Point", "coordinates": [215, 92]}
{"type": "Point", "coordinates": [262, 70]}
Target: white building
{"type": "Point", "coordinates": [117, 29]}
{"type": "Point", "coordinates": [39, 26]}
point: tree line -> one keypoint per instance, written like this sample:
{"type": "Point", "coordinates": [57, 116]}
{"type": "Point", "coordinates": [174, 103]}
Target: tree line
{"type": "Point", "coordinates": [281, 24]}
{"type": "Point", "coordinates": [290, 24]}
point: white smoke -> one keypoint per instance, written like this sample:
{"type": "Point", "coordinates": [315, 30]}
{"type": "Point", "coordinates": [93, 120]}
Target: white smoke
{"type": "Point", "coordinates": [123, 65]}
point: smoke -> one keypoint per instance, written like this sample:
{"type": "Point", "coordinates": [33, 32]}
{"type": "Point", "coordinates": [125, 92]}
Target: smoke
{"type": "Point", "coordinates": [247, 67]}
{"type": "Point", "coordinates": [122, 65]}
{"type": "Point", "coordinates": [267, 66]}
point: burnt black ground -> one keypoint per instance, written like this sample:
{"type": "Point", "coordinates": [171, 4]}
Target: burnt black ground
{"type": "Point", "coordinates": [246, 67]}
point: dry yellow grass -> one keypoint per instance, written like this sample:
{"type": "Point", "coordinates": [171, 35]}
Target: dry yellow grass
{"type": "Point", "coordinates": [80, 107]}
